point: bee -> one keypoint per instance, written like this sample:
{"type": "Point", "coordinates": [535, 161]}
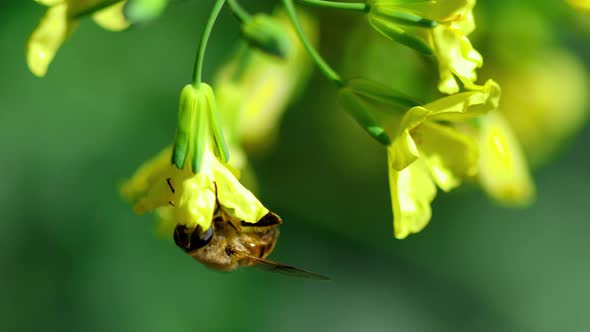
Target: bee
{"type": "Point", "coordinates": [229, 244]}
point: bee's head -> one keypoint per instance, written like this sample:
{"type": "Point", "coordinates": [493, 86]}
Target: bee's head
{"type": "Point", "coordinates": [191, 240]}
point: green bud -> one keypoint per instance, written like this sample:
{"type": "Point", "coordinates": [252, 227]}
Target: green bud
{"type": "Point", "coordinates": [142, 11]}
{"type": "Point", "coordinates": [264, 33]}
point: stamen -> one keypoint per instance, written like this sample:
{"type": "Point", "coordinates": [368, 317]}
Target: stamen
{"type": "Point", "coordinates": [170, 185]}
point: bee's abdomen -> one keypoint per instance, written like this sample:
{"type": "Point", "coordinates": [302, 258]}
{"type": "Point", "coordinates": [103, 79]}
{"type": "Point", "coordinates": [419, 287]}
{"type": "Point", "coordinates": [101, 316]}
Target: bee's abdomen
{"type": "Point", "coordinates": [261, 243]}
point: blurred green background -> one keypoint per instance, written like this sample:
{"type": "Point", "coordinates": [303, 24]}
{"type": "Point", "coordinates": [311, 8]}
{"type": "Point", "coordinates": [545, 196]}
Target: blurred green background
{"type": "Point", "coordinates": [73, 256]}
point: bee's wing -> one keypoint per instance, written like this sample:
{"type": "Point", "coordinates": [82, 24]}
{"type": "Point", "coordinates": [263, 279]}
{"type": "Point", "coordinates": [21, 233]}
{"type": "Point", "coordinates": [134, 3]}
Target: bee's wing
{"type": "Point", "coordinates": [271, 266]}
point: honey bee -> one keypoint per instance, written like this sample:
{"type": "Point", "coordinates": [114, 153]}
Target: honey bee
{"type": "Point", "coordinates": [229, 244]}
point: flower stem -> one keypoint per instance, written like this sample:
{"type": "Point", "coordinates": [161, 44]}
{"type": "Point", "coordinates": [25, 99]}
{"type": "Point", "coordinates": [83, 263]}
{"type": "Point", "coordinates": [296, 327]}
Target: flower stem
{"type": "Point", "coordinates": [198, 69]}
{"type": "Point", "coordinates": [239, 11]}
{"type": "Point", "coordinates": [354, 6]}
{"type": "Point", "coordinates": [313, 53]}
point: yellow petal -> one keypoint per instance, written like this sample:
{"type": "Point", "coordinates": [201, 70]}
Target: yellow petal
{"type": "Point", "coordinates": [196, 203]}
{"type": "Point", "coordinates": [458, 107]}
{"type": "Point", "coordinates": [112, 17]}
{"type": "Point", "coordinates": [466, 105]}
{"type": "Point", "coordinates": [165, 222]}
{"type": "Point", "coordinates": [456, 58]}
{"type": "Point", "coordinates": [503, 170]}
{"type": "Point", "coordinates": [148, 188]}
{"type": "Point", "coordinates": [412, 191]}
{"type": "Point", "coordinates": [403, 151]}
{"type": "Point", "coordinates": [235, 199]}
{"type": "Point", "coordinates": [449, 155]}
{"type": "Point", "coordinates": [47, 38]}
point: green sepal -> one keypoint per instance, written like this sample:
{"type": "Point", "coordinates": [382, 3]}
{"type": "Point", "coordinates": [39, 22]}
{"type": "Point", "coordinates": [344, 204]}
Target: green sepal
{"type": "Point", "coordinates": [381, 93]}
{"type": "Point", "coordinates": [354, 105]}
{"type": "Point", "coordinates": [184, 126]}
{"type": "Point", "coordinates": [392, 31]}
{"type": "Point", "coordinates": [200, 135]}
{"type": "Point", "coordinates": [220, 147]}
{"type": "Point", "coordinates": [143, 11]}
{"type": "Point", "coordinates": [402, 17]}
{"type": "Point", "coordinates": [264, 33]}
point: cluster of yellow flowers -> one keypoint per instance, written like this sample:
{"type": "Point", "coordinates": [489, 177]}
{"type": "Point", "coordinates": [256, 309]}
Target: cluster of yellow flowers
{"type": "Point", "coordinates": [460, 137]}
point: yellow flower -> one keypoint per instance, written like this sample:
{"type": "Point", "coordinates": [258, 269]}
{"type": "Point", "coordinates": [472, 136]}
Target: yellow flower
{"type": "Point", "coordinates": [556, 103]}
{"type": "Point", "coordinates": [253, 89]}
{"type": "Point", "coordinates": [408, 23]}
{"type": "Point", "coordinates": [412, 191]}
{"type": "Point", "coordinates": [428, 149]}
{"type": "Point", "coordinates": [187, 198]}
{"type": "Point", "coordinates": [60, 20]}
{"type": "Point", "coordinates": [503, 170]}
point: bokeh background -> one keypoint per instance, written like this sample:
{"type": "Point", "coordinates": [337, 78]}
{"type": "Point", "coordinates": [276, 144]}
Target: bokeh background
{"type": "Point", "coordinates": [73, 256]}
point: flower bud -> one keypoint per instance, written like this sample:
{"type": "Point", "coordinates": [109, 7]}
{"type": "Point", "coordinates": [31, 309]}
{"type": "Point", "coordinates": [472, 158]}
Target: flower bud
{"type": "Point", "coordinates": [142, 11]}
{"type": "Point", "coordinates": [264, 33]}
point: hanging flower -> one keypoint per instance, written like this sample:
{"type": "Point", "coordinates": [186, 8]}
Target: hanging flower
{"type": "Point", "coordinates": [433, 27]}
{"type": "Point", "coordinates": [503, 170]}
{"type": "Point", "coordinates": [60, 20]}
{"type": "Point", "coordinates": [555, 106]}
{"type": "Point", "coordinates": [187, 198]}
{"type": "Point", "coordinates": [428, 149]}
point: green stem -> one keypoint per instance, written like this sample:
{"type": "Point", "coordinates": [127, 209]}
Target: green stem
{"type": "Point", "coordinates": [355, 6]}
{"type": "Point", "coordinates": [239, 11]}
{"type": "Point", "coordinates": [313, 53]}
{"type": "Point", "coordinates": [198, 69]}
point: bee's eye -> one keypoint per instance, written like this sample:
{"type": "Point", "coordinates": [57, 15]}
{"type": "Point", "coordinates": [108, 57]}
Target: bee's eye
{"type": "Point", "coordinates": [190, 241]}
